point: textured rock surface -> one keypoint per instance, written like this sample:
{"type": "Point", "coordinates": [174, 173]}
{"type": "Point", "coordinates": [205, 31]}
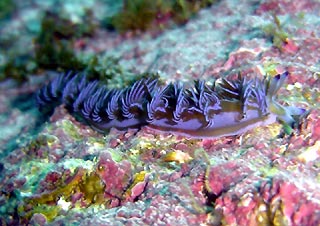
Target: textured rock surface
{"type": "Point", "coordinates": [63, 172]}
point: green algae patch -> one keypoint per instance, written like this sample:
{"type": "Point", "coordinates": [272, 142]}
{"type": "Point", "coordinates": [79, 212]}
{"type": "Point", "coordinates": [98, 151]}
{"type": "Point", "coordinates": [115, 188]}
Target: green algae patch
{"type": "Point", "coordinates": [49, 212]}
{"type": "Point", "coordinates": [108, 70]}
{"type": "Point", "coordinates": [6, 8]}
{"type": "Point", "coordinates": [34, 171]}
{"type": "Point", "coordinates": [142, 15]}
{"type": "Point", "coordinates": [269, 171]}
{"type": "Point", "coordinates": [54, 44]}
{"type": "Point", "coordinates": [71, 130]}
{"type": "Point", "coordinates": [116, 155]}
{"type": "Point", "coordinates": [61, 195]}
{"type": "Point", "coordinates": [276, 32]}
{"type": "Point", "coordinates": [76, 183]}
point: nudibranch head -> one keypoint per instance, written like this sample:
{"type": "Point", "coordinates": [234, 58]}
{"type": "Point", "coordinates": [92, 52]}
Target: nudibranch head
{"type": "Point", "coordinates": [285, 114]}
{"type": "Point", "coordinates": [228, 107]}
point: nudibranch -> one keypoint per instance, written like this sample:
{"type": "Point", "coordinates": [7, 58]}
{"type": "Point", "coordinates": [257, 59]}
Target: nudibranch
{"type": "Point", "coordinates": [226, 107]}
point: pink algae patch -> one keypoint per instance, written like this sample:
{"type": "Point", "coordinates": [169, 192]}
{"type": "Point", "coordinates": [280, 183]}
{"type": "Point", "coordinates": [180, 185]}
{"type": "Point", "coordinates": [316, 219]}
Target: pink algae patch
{"type": "Point", "coordinates": [276, 202]}
{"type": "Point", "coordinates": [221, 178]}
{"type": "Point", "coordinates": [285, 7]}
{"type": "Point", "coordinates": [289, 194]}
{"type": "Point", "coordinates": [116, 176]}
{"type": "Point", "coordinates": [290, 47]}
{"type": "Point", "coordinates": [316, 130]}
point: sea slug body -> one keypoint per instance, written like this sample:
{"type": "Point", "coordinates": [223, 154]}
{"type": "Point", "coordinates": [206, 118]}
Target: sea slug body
{"type": "Point", "coordinates": [228, 107]}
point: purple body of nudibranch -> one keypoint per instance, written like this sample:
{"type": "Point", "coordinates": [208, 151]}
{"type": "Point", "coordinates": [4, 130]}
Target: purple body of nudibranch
{"type": "Point", "coordinates": [228, 107]}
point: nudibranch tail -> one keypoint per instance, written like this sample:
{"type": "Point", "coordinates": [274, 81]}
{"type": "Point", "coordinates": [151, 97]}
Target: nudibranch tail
{"type": "Point", "coordinates": [228, 107]}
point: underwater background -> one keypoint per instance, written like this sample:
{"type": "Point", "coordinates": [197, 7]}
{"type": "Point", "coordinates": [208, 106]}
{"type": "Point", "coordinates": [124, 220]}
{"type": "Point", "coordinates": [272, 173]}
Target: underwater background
{"type": "Point", "coordinates": [55, 169]}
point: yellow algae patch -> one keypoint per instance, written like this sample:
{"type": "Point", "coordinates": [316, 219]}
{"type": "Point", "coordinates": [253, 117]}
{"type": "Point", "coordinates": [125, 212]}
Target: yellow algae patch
{"type": "Point", "coordinates": [177, 156]}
